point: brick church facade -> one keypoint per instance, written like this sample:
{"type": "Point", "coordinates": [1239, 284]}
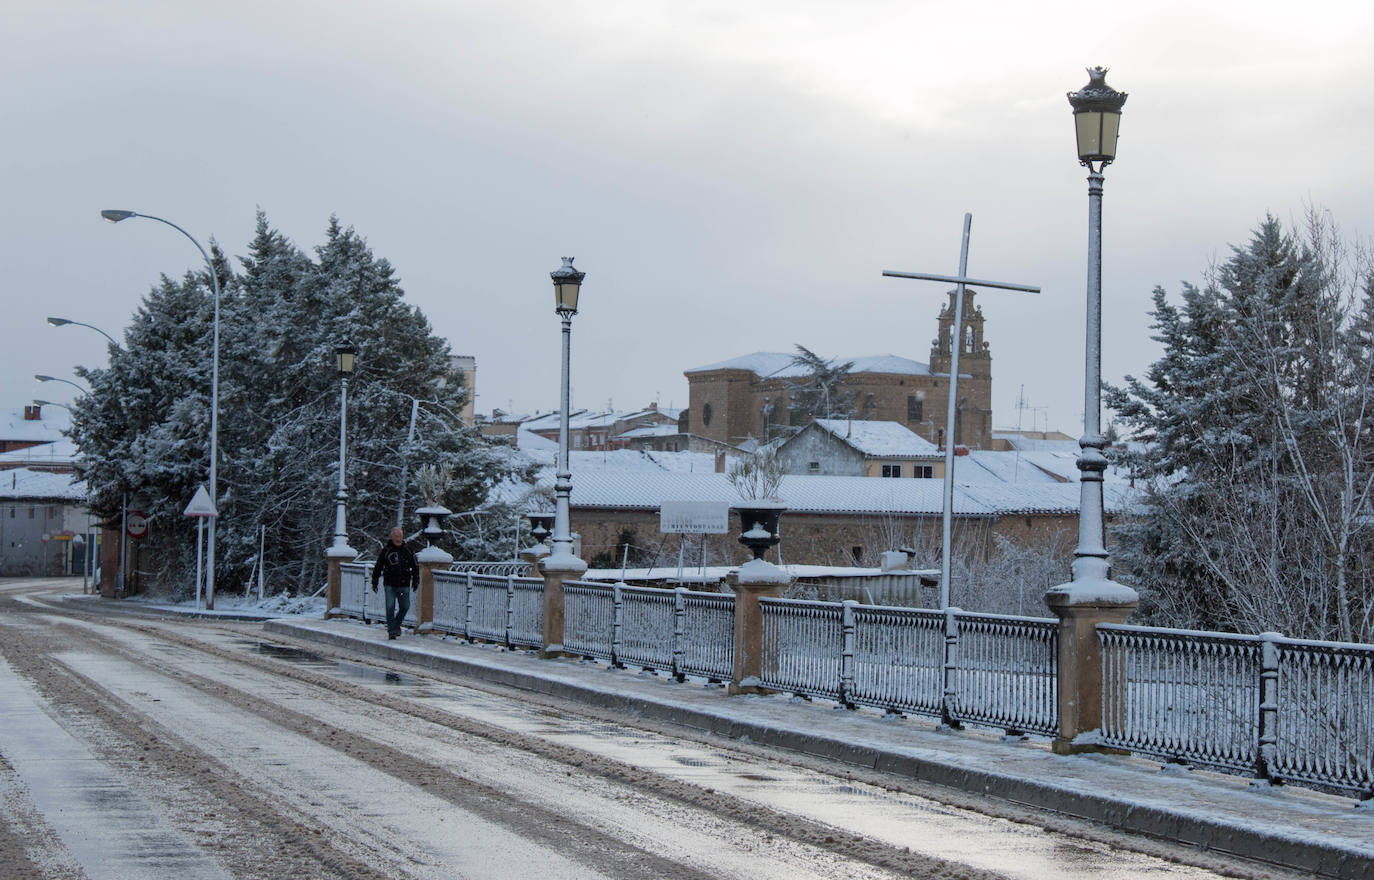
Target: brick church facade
{"type": "Point", "coordinates": [748, 397]}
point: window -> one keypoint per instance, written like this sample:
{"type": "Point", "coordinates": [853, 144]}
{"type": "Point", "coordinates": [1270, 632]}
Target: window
{"type": "Point", "coordinates": [813, 467]}
{"type": "Point", "coordinates": [923, 471]}
{"type": "Point", "coordinates": [856, 553]}
{"type": "Point", "coordinates": [892, 470]}
{"type": "Point", "coordinates": [915, 409]}
{"type": "Point", "coordinates": [705, 415]}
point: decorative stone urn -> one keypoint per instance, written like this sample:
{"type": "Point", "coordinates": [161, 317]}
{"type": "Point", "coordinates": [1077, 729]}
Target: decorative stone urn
{"type": "Point", "coordinates": [758, 523]}
{"type": "Point", "coordinates": [432, 517]}
{"type": "Point", "coordinates": [541, 526]}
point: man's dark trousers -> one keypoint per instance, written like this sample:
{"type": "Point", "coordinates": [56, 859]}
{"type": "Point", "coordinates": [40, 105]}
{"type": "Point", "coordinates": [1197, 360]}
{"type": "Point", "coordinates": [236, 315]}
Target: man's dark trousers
{"type": "Point", "coordinates": [397, 606]}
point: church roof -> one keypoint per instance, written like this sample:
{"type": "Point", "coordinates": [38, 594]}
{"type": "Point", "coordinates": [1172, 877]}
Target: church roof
{"type": "Point", "coordinates": [780, 365]}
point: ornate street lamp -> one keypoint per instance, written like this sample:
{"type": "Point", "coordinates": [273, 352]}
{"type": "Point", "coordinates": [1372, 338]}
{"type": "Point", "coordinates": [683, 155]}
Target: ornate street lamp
{"type": "Point", "coordinates": [1097, 119]}
{"type": "Point", "coordinates": [567, 284]}
{"type": "Point", "coordinates": [115, 216]}
{"type": "Point", "coordinates": [344, 356]}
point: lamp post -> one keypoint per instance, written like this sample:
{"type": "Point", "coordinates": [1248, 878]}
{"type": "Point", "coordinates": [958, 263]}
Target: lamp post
{"type": "Point", "coordinates": [1097, 119]}
{"type": "Point", "coordinates": [344, 354]}
{"type": "Point", "coordinates": [62, 322]}
{"type": "Point", "coordinates": [115, 216]}
{"type": "Point", "coordinates": [567, 284]}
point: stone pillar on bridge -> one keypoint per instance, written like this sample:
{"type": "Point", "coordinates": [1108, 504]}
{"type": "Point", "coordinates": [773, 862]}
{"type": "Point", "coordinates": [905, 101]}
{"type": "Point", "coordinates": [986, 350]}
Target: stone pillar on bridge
{"type": "Point", "coordinates": [335, 557]}
{"type": "Point", "coordinates": [1079, 663]}
{"type": "Point", "coordinates": [429, 559]}
{"type": "Point", "coordinates": [553, 604]}
{"type": "Point", "coordinates": [753, 580]}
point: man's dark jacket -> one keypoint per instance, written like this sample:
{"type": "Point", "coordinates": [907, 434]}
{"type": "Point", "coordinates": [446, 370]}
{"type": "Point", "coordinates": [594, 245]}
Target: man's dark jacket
{"type": "Point", "coordinates": [396, 566]}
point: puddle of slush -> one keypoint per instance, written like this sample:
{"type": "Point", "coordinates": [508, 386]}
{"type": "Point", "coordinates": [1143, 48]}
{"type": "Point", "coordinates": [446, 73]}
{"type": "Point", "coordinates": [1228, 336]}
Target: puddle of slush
{"type": "Point", "coordinates": [902, 820]}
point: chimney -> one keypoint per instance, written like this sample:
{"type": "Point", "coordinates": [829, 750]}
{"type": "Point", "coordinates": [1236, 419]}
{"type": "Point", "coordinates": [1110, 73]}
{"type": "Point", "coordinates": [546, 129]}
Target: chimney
{"type": "Point", "coordinates": [33, 412]}
{"type": "Point", "coordinates": [720, 461]}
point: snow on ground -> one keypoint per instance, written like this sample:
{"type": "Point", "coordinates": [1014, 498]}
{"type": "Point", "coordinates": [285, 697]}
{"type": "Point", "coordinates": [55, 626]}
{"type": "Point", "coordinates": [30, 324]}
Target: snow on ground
{"type": "Point", "coordinates": [237, 604]}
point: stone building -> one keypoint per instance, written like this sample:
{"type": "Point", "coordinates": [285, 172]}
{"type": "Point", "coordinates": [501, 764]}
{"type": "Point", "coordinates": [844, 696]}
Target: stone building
{"type": "Point", "coordinates": [749, 396]}
{"type": "Point", "coordinates": [857, 448]}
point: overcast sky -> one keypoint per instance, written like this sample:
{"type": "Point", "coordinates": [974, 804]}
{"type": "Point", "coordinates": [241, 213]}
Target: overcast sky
{"type": "Point", "coordinates": [732, 176]}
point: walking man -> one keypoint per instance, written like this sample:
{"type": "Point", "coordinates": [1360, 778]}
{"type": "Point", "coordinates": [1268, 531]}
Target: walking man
{"type": "Point", "coordinates": [397, 569]}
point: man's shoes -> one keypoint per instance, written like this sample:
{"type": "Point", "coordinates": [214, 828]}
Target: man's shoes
{"type": "Point", "coordinates": [391, 635]}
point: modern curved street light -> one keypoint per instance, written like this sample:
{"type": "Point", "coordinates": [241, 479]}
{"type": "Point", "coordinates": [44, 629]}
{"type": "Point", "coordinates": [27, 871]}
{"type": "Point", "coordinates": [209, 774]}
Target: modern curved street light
{"type": "Point", "coordinates": [115, 216]}
{"type": "Point", "coordinates": [567, 284]}
{"type": "Point", "coordinates": [62, 322]}
{"type": "Point", "coordinates": [41, 378]}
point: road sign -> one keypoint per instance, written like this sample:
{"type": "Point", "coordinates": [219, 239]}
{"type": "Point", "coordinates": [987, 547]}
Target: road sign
{"type": "Point", "coordinates": [136, 524]}
{"type": "Point", "coordinates": [200, 504]}
{"type": "Point", "coordinates": [694, 518]}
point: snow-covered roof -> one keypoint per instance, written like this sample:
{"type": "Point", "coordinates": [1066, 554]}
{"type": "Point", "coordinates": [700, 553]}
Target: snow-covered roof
{"type": "Point", "coordinates": [648, 431]}
{"type": "Point", "coordinates": [880, 439]}
{"type": "Point", "coordinates": [48, 429]}
{"type": "Point", "coordinates": [27, 484]}
{"type": "Point", "coordinates": [774, 364]}
{"type": "Point", "coordinates": [58, 453]}
{"type": "Point", "coordinates": [648, 488]}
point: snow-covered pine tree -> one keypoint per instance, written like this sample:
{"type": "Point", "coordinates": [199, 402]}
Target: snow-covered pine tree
{"type": "Point", "coordinates": [1258, 459]}
{"type": "Point", "coordinates": [821, 393]}
{"type": "Point", "coordinates": [144, 427]}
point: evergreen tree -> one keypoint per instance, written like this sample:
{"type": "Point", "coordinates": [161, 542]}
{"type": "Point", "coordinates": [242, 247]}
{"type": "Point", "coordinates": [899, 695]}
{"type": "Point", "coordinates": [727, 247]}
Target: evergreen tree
{"type": "Point", "coordinates": [821, 393]}
{"type": "Point", "coordinates": [144, 428]}
{"type": "Point", "coordinates": [1258, 449]}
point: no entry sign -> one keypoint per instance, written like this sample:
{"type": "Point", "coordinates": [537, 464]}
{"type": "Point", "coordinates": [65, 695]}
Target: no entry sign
{"type": "Point", "coordinates": [136, 524]}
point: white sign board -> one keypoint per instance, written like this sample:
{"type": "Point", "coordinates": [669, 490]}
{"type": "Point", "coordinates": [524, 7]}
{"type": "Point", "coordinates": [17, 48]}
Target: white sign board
{"type": "Point", "coordinates": [694, 518]}
{"type": "Point", "coordinates": [200, 504]}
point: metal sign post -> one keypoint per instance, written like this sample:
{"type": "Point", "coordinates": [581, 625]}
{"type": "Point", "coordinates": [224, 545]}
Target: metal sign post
{"type": "Point", "coordinates": [956, 343]}
{"type": "Point", "coordinates": [202, 508]}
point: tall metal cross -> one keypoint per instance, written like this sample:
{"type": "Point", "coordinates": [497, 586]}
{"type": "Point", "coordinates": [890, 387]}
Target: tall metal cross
{"type": "Point", "coordinates": [956, 343]}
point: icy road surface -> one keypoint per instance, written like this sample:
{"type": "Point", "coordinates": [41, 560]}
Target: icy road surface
{"type": "Point", "coordinates": [143, 748]}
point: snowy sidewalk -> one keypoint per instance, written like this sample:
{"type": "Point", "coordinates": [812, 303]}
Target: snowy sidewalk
{"type": "Point", "coordinates": [1283, 825]}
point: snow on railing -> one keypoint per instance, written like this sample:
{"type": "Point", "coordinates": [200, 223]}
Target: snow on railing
{"type": "Point", "coordinates": [1181, 695]}
{"type": "Point", "coordinates": [982, 668]}
{"type": "Point", "coordinates": [525, 624]}
{"type": "Point", "coordinates": [705, 635]}
{"type": "Point", "coordinates": [678, 631]}
{"type": "Point", "coordinates": [1004, 672]}
{"type": "Point", "coordinates": [803, 646]}
{"type": "Point", "coordinates": [450, 602]}
{"type": "Point", "coordinates": [508, 610]}
{"type": "Point", "coordinates": [897, 659]}
{"type": "Point", "coordinates": [648, 621]}
{"type": "Point", "coordinates": [590, 619]}
{"type": "Point", "coordinates": [1282, 709]}
{"type": "Point", "coordinates": [515, 567]}
{"type": "Point", "coordinates": [1323, 725]}
{"type": "Point", "coordinates": [352, 589]}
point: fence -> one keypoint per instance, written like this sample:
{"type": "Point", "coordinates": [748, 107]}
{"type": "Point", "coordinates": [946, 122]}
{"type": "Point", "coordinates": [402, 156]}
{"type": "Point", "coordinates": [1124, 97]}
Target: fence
{"type": "Point", "coordinates": [982, 668]}
{"type": "Point", "coordinates": [1284, 709]}
{"type": "Point", "coordinates": [508, 610]}
{"type": "Point", "coordinates": [677, 631]}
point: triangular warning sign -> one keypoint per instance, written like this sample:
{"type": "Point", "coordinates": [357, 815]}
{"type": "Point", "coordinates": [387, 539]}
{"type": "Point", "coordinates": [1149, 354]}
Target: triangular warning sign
{"type": "Point", "coordinates": [200, 505]}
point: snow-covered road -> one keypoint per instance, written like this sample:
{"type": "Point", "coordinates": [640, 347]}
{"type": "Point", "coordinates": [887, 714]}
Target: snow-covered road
{"type": "Point", "coordinates": [137, 747]}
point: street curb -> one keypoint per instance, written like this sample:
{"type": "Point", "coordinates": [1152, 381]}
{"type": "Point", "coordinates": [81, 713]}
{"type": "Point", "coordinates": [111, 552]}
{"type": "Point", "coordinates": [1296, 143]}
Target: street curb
{"type": "Point", "coordinates": [1323, 858]}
